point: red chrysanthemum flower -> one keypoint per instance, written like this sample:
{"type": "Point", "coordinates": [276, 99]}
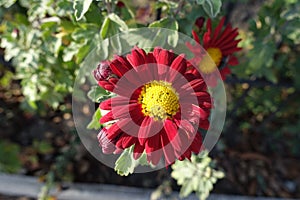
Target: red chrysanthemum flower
{"type": "Point", "coordinates": [220, 45]}
{"type": "Point", "coordinates": [159, 107]}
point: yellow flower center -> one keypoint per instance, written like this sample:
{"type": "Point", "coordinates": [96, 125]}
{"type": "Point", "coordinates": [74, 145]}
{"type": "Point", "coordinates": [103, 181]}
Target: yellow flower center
{"type": "Point", "coordinates": [211, 60]}
{"type": "Point", "coordinates": [159, 100]}
{"type": "Point", "coordinates": [215, 54]}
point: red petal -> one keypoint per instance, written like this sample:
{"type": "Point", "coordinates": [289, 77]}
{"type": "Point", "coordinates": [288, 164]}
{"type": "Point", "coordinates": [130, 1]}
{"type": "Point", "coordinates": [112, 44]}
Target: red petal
{"type": "Point", "coordinates": [206, 40]}
{"type": "Point", "coordinates": [137, 151]}
{"type": "Point", "coordinates": [153, 143]}
{"type": "Point", "coordinates": [204, 124]}
{"type": "Point", "coordinates": [126, 141]}
{"type": "Point", "coordinates": [196, 144]}
{"type": "Point", "coordinates": [120, 66]}
{"type": "Point", "coordinates": [168, 150]}
{"type": "Point", "coordinates": [178, 68]}
{"type": "Point", "coordinates": [229, 46]}
{"type": "Point", "coordinates": [113, 131]}
{"type": "Point", "coordinates": [156, 52]}
{"type": "Point", "coordinates": [218, 30]}
{"type": "Point", "coordinates": [105, 105]}
{"type": "Point", "coordinates": [149, 128]}
{"type": "Point", "coordinates": [106, 85]}
{"type": "Point", "coordinates": [155, 156]}
{"type": "Point", "coordinates": [137, 57]}
{"type": "Point", "coordinates": [107, 118]}
{"type": "Point", "coordinates": [165, 57]}
{"type": "Point", "coordinates": [120, 112]}
{"type": "Point", "coordinates": [186, 126]}
{"type": "Point", "coordinates": [208, 25]}
{"type": "Point", "coordinates": [195, 36]}
{"type": "Point", "coordinates": [129, 126]}
{"type": "Point", "coordinates": [227, 35]}
{"type": "Point", "coordinates": [170, 128]}
{"type": "Point", "coordinates": [233, 61]}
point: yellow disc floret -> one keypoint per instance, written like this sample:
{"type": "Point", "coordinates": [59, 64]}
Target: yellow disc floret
{"type": "Point", "coordinates": [211, 60]}
{"type": "Point", "coordinates": [159, 100]}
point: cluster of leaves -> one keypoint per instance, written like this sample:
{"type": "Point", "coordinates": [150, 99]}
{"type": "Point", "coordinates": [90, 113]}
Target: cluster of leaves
{"type": "Point", "coordinates": [198, 175]}
{"type": "Point", "coordinates": [271, 61]}
{"type": "Point", "coordinates": [46, 46]}
{"type": "Point", "coordinates": [273, 39]}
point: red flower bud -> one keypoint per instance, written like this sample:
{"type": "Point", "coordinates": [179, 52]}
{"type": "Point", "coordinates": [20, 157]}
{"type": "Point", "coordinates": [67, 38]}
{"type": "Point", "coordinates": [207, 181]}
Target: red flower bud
{"type": "Point", "coordinates": [200, 22]}
{"type": "Point", "coordinates": [120, 4]}
{"type": "Point", "coordinates": [103, 71]}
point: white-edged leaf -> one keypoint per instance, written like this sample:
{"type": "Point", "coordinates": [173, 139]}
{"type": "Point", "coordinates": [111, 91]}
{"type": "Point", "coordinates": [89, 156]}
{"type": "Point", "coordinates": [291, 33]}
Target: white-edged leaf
{"type": "Point", "coordinates": [125, 164]}
{"type": "Point", "coordinates": [196, 175]}
{"type": "Point", "coordinates": [80, 8]}
{"type": "Point", "coordinates": [169, 23]}
{"type": "Point", "coordinates": [212, 7]}
{"type": "Point", "coordinates": [111, 25]}
{"type": "Point", "coordinates": [97, 93]}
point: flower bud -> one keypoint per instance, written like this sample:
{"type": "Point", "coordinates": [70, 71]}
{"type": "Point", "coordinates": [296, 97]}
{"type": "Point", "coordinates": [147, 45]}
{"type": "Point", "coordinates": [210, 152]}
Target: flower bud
{"type": "Point", "coordinates": [120, 4]}
{"type": "Point", "coordinates": [103, 71]}
{"type": "Point", "coordinates": [200, 22]}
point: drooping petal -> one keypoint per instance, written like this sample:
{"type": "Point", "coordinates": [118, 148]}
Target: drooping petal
{"type": "Point", "coordinates": [113, 131]}
{"type": "Point", "coordinates": [106, 85]}
{"type": "Point", "coordinates": [107, 146]}
{"type": "Point", "coordinates": [125, 141]}
{"type": "Point", "coordinates": [195, 36]}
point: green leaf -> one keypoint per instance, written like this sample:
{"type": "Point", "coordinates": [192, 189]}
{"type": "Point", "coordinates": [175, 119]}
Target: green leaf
{"type": "Point", "coordinates": [143, 160]}
{"type": "Point", "coordinates": [82, 52]}
{"type": "Point", "coordinates": [96, 93]}
{"type": "Point", "coordinates": [169, 23]}
{"type": "Point", "coordinates": [95, 124]}
{"type": "Point", "coordinates": [112, 25]}
{"type": "Point", "coordinates": [125, 164]}
{"type": "Point", "coordinates": [80, 8]}
{"type": "Point", "coordinates": [7, 3]}
{"type": "Point", "coordinates": [196, 175]}
{"type": "Point", "coordinates": [212, 7]}
{"type": "Point", "coordinates": [186, 189]}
